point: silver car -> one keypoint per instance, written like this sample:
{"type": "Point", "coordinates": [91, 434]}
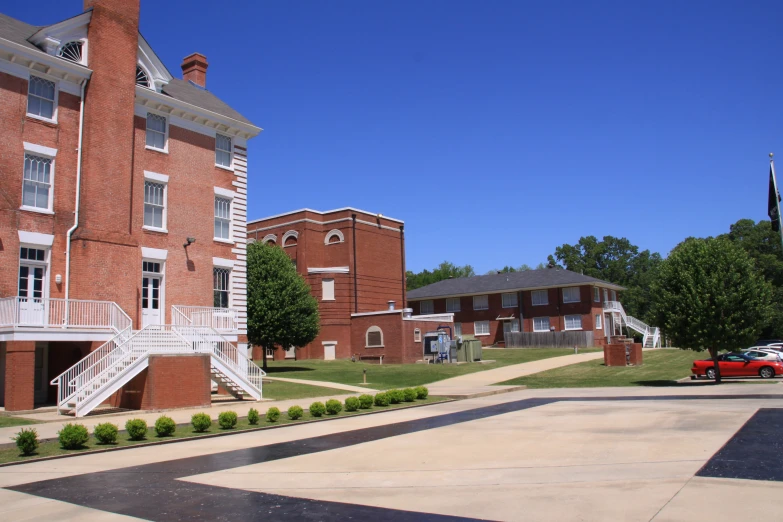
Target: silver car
{"type": "Point", "coordinates": [764, 354]}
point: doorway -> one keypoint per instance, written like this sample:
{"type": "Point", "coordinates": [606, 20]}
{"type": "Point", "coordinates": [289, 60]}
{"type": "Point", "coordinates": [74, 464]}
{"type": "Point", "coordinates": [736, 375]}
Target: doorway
{"type": "Point", "coordinates": [32, 286]}
{"type": "Point", "coordinates": [329, 351]}
{"type": "Point", "coordinates": [151, 293]}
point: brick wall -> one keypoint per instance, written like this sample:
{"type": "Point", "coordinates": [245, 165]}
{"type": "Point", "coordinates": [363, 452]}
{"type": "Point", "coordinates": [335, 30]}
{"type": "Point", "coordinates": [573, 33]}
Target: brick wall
{"type": "Point", "coordinates": [19, 375]}
{"type": "Point", "coordinates": [170, 381]}
{"type": "Point", "coordinates": [399, 344]}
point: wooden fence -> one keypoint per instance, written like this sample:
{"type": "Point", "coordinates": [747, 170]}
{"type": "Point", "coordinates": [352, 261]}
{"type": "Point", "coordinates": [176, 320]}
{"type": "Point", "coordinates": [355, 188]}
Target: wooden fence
{"type": "Point", "coordinates": [548, 339]}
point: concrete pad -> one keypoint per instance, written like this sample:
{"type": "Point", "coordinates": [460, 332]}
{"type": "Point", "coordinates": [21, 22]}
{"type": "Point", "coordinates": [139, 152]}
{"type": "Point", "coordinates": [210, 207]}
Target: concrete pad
{"type": "Point", "coordinates": [20, 506]}
{"type": "Point", "coordinates": [326, 384]}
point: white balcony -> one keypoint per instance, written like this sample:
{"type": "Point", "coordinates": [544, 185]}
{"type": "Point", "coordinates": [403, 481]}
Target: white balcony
{"type": "Point", "coordinates": [223, 320]}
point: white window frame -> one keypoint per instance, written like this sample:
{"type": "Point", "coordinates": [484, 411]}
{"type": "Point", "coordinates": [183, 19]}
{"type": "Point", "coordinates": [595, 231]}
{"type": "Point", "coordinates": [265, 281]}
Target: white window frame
{"type": "Point", "coordinates": [430, 307]}
{"type": "Point", "coordinates": [598, 321]}
{"type": "Point", "coordinates": [572, 316]}
{"type": "Point", "coordinates": [511, 326]}
{"type": "Point", "coordinates": [230, 152]}
{"type": "Point", "coordinates": [46, 264]}
{"type": "Point", "coordinates": [45, 153]}
{"type": "Point", "coordinates": [596, 294]}
{"type": "Point", "coordinates": [534, 293]}
{"type": "Point", "coordinates": [571, 289]}
{"type": "Point", "coordinates": [324, 289]}
{"type": "Point", "coordinates": [165, 148]}
{"type": "Point", "coordinates": [510, 294]}
{"type": "Point", "coordinates": [152, 256]}
{"type": "Point", "coordinates": [269, 352]}
{"type": "Point", "coordinates": [56, 103]}
{"type": "Point", "coordinates": [229, 283]}
{"type": "Point", "coordinates": [479, 307]}
{"type": "Point", "coordinates": [416, 335]}
{"type": "Point", "coordinates": [450, 304]}
{"type": "Point", "coordinates": [536, 327]}
{"type": "Point", "coordinates": [367, 337]}
{"type": "Point", "coordinates": [614, 295]}
{"type": "Point", "coordinates": [476, 328]}
{"type": "Point", "coordinates": [229, 195]}
{"type": "Point", "coordinates": [160, 179]}
{"type": "Point", "coordinates": [457, 329]}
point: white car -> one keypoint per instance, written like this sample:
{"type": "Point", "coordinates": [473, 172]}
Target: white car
{"type": "Point", "coordinates": [765, 354]}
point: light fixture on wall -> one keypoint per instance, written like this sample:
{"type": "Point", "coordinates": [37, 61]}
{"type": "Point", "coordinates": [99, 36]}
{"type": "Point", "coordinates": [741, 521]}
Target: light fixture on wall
{"type": "Point", "coordinates": [58, 279]}
{"type": "Point", "coordinates": [189, 242]}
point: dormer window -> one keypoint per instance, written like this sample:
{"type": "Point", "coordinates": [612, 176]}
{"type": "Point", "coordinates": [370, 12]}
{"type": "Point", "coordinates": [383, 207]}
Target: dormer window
{"type": "Point", "coordinates": [72, 51]}
{"type": "Point", "coordinates": [142, 78]}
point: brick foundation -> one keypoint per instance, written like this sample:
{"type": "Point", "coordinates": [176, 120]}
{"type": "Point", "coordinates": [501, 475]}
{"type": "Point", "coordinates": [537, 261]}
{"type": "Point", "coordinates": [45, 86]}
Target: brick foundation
{"type": "Point", "coordinates": [19, 375]}
{"type": "Point", "coordinates": [170, 381]}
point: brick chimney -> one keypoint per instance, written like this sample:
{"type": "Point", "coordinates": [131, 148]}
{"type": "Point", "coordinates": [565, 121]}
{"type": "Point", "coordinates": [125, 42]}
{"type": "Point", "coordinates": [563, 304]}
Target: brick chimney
{"type": "Point", "coordinates": [194, 69]}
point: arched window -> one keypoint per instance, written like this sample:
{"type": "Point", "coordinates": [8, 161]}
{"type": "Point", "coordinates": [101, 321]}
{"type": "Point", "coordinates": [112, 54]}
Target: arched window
{"type": "Point", "coordinates": [72, 51]}
{"type": "Point", "coordinates": [333, 237]}
{"type": "Point", "coordinates": [416, 335]}
{"type": "Point", "coordinates": [142, 78]}
{"type": "Point", "coordinates": [269, 239]}
{"type": "Point", "coordinates": [374, 337]}
{"type": "Point", "coordinates": [290, 238]}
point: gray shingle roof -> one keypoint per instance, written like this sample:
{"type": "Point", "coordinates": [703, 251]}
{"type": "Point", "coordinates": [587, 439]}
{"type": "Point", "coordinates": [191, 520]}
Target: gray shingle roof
{"type": "Point", "coordinates": [17, 31]}
{"type": "Point", "coordinates": [542, 278]}
{"type": "Point", "coordinates": [188, 93]}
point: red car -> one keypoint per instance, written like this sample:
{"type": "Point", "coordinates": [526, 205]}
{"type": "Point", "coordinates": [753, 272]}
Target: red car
{"type": "Point", "coordinates": [737, 365]}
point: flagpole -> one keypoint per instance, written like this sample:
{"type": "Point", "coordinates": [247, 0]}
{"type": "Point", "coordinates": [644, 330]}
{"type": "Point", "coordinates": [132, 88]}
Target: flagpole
{"type": "Point", "coordinates": [777, 194]}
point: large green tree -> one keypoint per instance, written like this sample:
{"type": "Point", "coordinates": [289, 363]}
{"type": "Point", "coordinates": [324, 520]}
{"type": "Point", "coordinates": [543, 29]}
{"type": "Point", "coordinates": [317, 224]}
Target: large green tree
{"type": "Point", "coordinates": [709, 295]}
{"type": "Point", "coordinates": [281, 312]}
{"type": "Point", "coordinates": [445, 270]}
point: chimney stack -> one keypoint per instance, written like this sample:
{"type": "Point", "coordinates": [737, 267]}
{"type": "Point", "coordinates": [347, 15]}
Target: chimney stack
{"type": "Point", "coordinates": [194, 69]}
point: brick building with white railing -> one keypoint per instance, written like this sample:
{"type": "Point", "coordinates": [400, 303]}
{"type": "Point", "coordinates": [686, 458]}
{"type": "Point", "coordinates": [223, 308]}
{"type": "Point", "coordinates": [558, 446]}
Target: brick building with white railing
{"type": "Point", "coordinates": [122, 219]}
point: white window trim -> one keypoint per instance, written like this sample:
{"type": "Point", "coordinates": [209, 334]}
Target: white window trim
{"type": "Point", "coordinates": [230, 278]}
{"type": "Point", "coordinates": [230, 195]}
{"type": "Point", "coordinates": [230, 152]}
{"type": "Point", "coordinates": [331, 234]}
{"type": "Point", "coordinates": [158, 178]}
{"type": "Point", "coordinates": [431, 310]}
{"type": "Point", "coordinates": [489, 328]}
{"type": "Point", "coordinates": [455, 330]}
{"type": "Point", "coordinates": [46, 263]}
{"type": "Point", "coordinates": [367, 338]}
{"type": "Point", "coordinates": [35, 239]}
{"type": "Point", "coordinates": [56, 102]}
{"type": "Point", "coordinates": [565, 322]}
{"type": "Point", "coordinates": [511, 323]}
{"type": "Point", "coordinates": [453, 299]}
{"type": "Point", "coordinates": [599, 321]}
{"type": "Point", "coordinates": [291, 233]}
{"type": "Point", "coordinates": [39, 150]}
{"type": "Point", "coordinates": [533, 292]}
{"type": "Point", "coordinates": [416, 335]}
{"type": "Point", "coordinates": [154, 254]}
{"type": "Point", "coordinates": [268, 238]}
{"type": "Point", "coordinates": [516, 298]}
{"type": "Point", "coordinates": [549, 324]}
{"type": "Point", "coordinates": [165, 149]}
{"type": "Point", "coordinates": [162, 276]}
{"type": "Point", "coordinates": [223, 263]}
{"type": "Point", "coordinates": [596, 294]}
{"type": "Point", "coordinates": [578, 292]}
{"type": "Point", "coordinates": [323, 289]}
{"type": "Point", "coordinates": [49, 153]}
{"type": "Point", "coordinates": [474, 302]}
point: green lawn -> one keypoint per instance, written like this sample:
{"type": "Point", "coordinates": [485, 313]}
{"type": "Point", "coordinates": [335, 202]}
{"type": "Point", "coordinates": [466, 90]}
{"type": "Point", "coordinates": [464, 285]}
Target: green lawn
{"type": "Point", "coordinates": [660, 368]}
{"type": "Point", "coordinates": [404, 375]}
{"type": "Point", "coordinates": [7, 421]}
{"type": "Point", "coordinates": [278, 390]}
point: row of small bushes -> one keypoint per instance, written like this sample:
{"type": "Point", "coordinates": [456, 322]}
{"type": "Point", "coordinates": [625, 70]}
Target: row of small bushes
{"type": "Point", "coordinates": [366, 401]}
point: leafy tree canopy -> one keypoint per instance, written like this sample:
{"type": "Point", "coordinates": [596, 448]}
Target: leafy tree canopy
{"type": "Point", "coordinates": [280, 309]}
{"type": "Point", "coordinates": [445, 270]}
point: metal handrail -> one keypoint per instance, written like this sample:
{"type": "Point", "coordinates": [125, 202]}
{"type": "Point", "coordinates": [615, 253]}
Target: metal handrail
{"type": "Point", "coordinates": [51, 312]}
{"type": "Point", "coordinates": [224, 319]}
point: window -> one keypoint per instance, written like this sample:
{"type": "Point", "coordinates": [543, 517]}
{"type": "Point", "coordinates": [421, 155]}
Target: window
{"type": "Point", "coordinates": [154, 205]}
{"type": "Point", "coordinates": [597, 321]}
{"type": "Point", "coordinates": [480, 302]}
{"type": "Point", "coordinates": [510, 300]}
{"type": "Point", "coordinates": [151, 267]}
{"type": "Point", "coordinates": [541, 324]}
{"type": "Point", "coordinates": [573, 322]}
{"type": "Point", "coordinates": [571, 295]}
{"type": "Point", "coordinates": [32, 278]}
{"type": "Point", "coordinates": [539, 297]}
{"type": "Point", "coordinates": [223, 151]}
{"type": "Point", "coordinates": [72, 51]}
{"type": "Point", "coordinates": [511, 326]}
{"type": "Point", "coordinates": [32, 254]}
{"type": "Point", "coordinates": [290, 238]}
{"type": "Point", "coordinates": [222, 218]}
{"type": "Point", "coordinates": [37, 182]}
{"type": "Point", "coordinates": [426, 307]}
{"type": "Point", "coordinates": [416, 335]}
{"type": "Point", "coordinates": [333, 237]}
{"type": "Point", "coordinates": [156, 131]}
{"type": "Point", "coordinates": [221, 277]}
{"type": "Point", "coordinates": [614, 295]}
{"type": "Point", "coordinates": [596, 294]}
{"type": "Point", "coordinates": [327, 290]}
{"type": "Point", "coordinates": [481, 328]}
{"type": "Point", "coordinates": [41, 98]}
{"type": "Point", "coordinates": [457, 329]}
{"type": "Point", "coordinates": [270, 353]}
{"type": "Point", "coordinates": [452, 304]}
{"type": "Point", "coordinates": [142, 78]}
{"type": "Point", "coordinates": [374, 337]}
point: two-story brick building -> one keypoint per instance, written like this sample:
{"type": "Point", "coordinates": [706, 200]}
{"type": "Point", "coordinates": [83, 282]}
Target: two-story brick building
{"type": "Point", "coordinates": [529, 301]}
{"type": "Point", "coordinates": [122, 216]}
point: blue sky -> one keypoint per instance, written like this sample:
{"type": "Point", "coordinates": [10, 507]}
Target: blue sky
{"type": "Point", "coordinates": [496, 130]}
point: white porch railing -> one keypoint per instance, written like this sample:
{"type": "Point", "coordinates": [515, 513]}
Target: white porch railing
{"type": "Point", "coordinates": [62, 313]}
{"type": "Point", "coordinates": [651, 336]}
{"type": "Point", "coordinates": [220, 319]}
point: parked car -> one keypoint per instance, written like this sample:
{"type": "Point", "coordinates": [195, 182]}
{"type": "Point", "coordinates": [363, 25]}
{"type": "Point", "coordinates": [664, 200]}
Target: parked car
{"type": "Point", "coordinates": [765, 354]}
{"type": "Point", "coordinates": [737, 365]}
{"type": "Point", "coordinates": [767, 342]}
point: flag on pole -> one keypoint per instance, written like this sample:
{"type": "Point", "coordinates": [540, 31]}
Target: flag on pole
{"type": "Point", "coordinates": [773, 204]}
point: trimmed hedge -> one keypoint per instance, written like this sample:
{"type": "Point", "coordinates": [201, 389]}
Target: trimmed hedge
{"type": "Point", "coordinates": [27, 441]}
{"type": "Point", "coordinates": [73, 436]}
{"type": "Point", "coordinates": [421, 392]}
{"type": "Point", "coordinates": [381, 399]}
{"type": "Point", "coordinates": [106, 433]}
{"type": "Point", "coordinates": [409, 394]}
{"type": "Point", "coordinates": [272, 414]}
{"type": "Point", "coordinates": [295, 412]}
{"type": "Point", "coordinates": [317, 409]}
{"type": "Point", "coordinates": [333, 406]}
{"type": "Point", "coordinates": [227, 419]}
{"type": "Point", "coordinates": [136, 428]}
{"type": "Point", "coordinates": [201, 422]}
{"type": "Point", "coordinates": [165, 426]}
{"type": "Point", "coordinates": [253, 417]}
{"type": "Point", "coordinates": [365, 401]}
{"type": "Point", "coordinates": [395, 396]}
{"type": "Point", "coordinates": [352, 404]}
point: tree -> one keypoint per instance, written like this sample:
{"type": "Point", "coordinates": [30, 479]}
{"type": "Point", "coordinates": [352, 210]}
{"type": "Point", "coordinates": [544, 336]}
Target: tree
{"type": "Point", "coordinates": [508, 269]}
{"type": "Point", "coordinates": [281, 312]}
{"type": "Point", "coordinates": [445, 270]}
{"type": "Point", "coordinates": [709, 294]}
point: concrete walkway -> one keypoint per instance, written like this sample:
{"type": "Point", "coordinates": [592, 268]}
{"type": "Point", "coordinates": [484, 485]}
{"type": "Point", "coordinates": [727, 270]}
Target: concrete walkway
{"type": "Point", "coordinates": [325, 384]}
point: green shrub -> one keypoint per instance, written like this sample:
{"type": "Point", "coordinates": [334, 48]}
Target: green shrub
{"type": "Point", "coordinates": [227, 419]}
{"type": "Point", "coordinates": [272, 414]}
{"type": "Point", "coordinates": [73, 436]}
{"type": "Point", "coordinates": [353, 403]}
{"type": "Point", "coordinates": [381, 399]}
{"type": "Point", "coordinates": [106, 433]}
{"type": "Point", "coordinates": [136, 428]}
{"type": "Point", "coordinates": [421, 392]}
{"type": "Point", "coordinates": [409, 394]}
{"type": "Point", "coordinates": [365, 401]}
{"type": "Point", "coordinates": [27, 441]}
{"type": "Point", "coordinates": [165, 426]}
{"type": "Point", "coordinates": [333, 406]}
{"type": "Point", "coordinates": [395, 396]}
{"type": "Point", "coordinates": [295, 412]}
{"type": "Point", "coordinates": [201, 422]}
{"type": "Point", "coordinates": [252, 416]}
{"type": "Point", "coordinates": [317, 409]}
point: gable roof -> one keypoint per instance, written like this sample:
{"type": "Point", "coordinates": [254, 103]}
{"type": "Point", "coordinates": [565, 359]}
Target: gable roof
{"type": "Point", "coordinates": [17, 31]}
{"type": "Point", "coordinates": [189, 93]}
{"type": "Point", "coordinates": [513, 281]}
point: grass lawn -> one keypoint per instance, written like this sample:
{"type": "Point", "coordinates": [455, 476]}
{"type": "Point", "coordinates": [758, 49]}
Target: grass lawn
{"type": "Point", "coordinates": [7, 421]}
{"type": "Point", "coordinates": [10, 453]}
{"type": "Point", "coordinates": [660, 368]}
{"type": "Point", "coordinates": [278, 390]}
{"type": "Point", "coordinates": [404, 375]}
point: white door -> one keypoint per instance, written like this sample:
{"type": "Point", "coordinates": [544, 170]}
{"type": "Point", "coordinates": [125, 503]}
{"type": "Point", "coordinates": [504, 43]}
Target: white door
{"type": "Point", "coordinates": [31, 293]}
{"type": "Point", "coordinates": [329, 352]}
{"type": "Point", "coordinates": [151, 299]}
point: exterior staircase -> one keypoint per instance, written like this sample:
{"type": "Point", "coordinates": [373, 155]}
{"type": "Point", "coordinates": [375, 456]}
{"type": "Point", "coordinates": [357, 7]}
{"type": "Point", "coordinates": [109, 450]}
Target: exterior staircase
{"type": "Point", "coordinates": [95, 378]}
{"type": "Point", "coordinates": [651, 335]}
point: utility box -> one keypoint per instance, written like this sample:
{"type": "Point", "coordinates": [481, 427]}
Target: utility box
{"type": "Point", "coordinates": [469, 350]}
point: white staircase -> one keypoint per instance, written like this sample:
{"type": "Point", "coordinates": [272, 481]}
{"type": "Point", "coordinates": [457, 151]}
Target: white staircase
{"type": "Point", "coordinates": [651, 335]}
{"type": "Point", "coordinates": [95, 378]}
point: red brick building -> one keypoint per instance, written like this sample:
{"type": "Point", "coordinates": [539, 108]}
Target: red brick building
{"type": "Point", "coordinates": [529, 301]}
{"type": "Point", "coordinates": [123, 209]}
{"type": "Point", "coordinates": [354, 262]}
